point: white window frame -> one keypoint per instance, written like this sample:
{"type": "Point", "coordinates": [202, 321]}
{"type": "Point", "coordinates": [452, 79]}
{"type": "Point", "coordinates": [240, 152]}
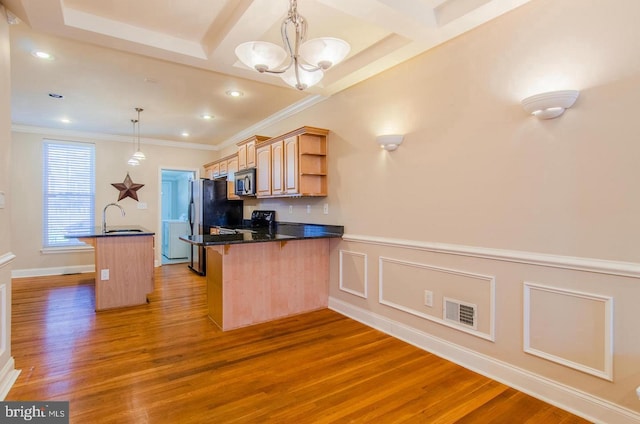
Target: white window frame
{"type": "Point", "coordinates": [64, 185]}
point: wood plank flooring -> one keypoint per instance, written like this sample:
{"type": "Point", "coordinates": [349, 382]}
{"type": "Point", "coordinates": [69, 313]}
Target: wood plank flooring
{"type": "Point", "coordinates": [166, 362]}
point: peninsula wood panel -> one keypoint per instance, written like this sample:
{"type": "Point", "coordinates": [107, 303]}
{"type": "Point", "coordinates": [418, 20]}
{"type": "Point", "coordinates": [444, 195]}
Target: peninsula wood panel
{"type": "Point", "coordinates": [129, 260]}
{"type": "Point", "coordinates": [264, 281]}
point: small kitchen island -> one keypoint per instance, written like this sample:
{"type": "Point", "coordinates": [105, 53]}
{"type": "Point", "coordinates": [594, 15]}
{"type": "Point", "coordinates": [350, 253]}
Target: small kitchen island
{"type": "Point", "coordinates": [258, 275]}
{"type": "Point", "coordinates": [124, 265]}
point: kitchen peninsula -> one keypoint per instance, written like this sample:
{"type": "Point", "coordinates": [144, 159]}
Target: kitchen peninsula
{"type": "Point", "coordinates": [124, 265]}
{"type": "Point", "coordinates": [261, 274]}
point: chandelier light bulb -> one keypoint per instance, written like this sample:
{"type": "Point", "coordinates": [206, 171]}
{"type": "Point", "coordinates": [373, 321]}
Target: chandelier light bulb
{"type": "Point", "coordinates": [304, 80]}
{"type": "Point", "coordinates": [324, 52]}
{"type": "Point", "coordinates": [261, 55]}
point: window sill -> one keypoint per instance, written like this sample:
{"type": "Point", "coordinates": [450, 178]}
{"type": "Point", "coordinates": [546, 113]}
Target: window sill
{"type": "Point", "coordinates": [66, 249]}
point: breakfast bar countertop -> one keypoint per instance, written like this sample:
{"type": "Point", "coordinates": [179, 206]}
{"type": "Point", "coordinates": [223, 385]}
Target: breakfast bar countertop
{"type": "Point", "coordinates": [281, 231]}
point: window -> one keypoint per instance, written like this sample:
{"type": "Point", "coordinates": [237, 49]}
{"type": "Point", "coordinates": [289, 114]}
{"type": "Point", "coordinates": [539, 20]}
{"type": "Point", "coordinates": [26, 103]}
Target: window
{"type": "Point", "coordinates": [69, 191]}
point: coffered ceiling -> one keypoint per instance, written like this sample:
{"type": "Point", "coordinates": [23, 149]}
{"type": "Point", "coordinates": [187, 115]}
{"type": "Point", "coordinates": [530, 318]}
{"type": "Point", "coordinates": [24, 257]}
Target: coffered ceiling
{"type": "Point", "coordinates": [175, 59]}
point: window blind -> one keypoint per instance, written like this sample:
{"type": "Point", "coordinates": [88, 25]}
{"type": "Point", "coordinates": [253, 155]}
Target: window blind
{"type": "Point", "coordinates": [69, 191]}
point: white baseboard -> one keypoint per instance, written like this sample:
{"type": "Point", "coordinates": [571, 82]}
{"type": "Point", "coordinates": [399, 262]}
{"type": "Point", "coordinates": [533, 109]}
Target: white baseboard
{"type": "Point", "coordinates": [575, 401]}
{"type": "Point", "coordinates": [62, 270]}
{"type": "Point", "coordinates": [8, 376]}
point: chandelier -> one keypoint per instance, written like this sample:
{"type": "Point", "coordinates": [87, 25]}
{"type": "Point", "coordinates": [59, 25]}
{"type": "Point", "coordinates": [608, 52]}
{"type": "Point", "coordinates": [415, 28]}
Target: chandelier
{"type": "Point", "coordinates": [137, 156]}
{"type": "Point", "coordinates": [307, 59]}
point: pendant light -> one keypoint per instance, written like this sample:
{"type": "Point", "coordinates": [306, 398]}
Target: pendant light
{"type": "Point", "coordinates": [138, 154]}
{"type": "Point", "coordinates": [133, 161]}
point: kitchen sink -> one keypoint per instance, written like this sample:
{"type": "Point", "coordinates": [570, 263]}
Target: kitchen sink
{"type": "Point", "coordinates": [124, 231]}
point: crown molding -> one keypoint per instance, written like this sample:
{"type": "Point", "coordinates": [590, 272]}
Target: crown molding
{"type": "Point", "coordinates": [82, 135]}
{"type": "Point", "coordinates": [287, 112]}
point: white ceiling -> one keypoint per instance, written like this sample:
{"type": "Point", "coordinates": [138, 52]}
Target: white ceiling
{"type": "Point", "coordinates": [175, 59]}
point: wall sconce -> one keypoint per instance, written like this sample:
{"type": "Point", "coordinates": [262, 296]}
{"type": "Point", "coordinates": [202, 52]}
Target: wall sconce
{"type": "Point", "coordinates": [390, 142]}
{"type": "Point", "coordinates": [550, 105]}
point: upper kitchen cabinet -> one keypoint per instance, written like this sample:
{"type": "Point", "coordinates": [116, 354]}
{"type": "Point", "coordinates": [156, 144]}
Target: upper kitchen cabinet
{"type": "Point", "coordinates": [263, 171]}
{"type": "Point", "coordinates": [221, 167]}
{"type": "Point", "coordinates": [295, 162]}
{"type": "Point", "coordinates": [247, 151]}
{"type": "Point", "coordinates": [232, 168]}
{"type": "Point", "coordinates": [212, 170]}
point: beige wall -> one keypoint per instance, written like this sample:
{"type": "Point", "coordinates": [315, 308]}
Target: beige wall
{"type": "Point", "coordinates": [529, 220]}
{"type": "Point", "coordinates": [111, 167]}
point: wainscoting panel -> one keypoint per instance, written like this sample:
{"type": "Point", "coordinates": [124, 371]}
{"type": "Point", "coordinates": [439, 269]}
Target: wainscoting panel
{"type": "Point", "coordinates": [407, 286]}
{"type": "Point", "coordinates": [570, 328]}
{"type": "Point", "coordinates": [353, 273]}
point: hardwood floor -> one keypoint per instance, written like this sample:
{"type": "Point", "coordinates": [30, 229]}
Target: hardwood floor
{"type": "Point", "coordinates": [166, 362]}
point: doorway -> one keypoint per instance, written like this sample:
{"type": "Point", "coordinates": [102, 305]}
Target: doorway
{"type": "Point", "coordinates": [174, 214]}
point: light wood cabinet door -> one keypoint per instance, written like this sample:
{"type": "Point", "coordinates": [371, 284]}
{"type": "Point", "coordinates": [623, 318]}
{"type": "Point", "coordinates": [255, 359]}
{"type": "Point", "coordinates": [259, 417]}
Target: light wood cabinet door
{"type": "Point", "coordinates": [215, 170]}
{"type": "Point", "coordinates": [263, 175]}
{"type": "Point", "coordinates": [242, 157]}
{"type": "Point", "coordinates": [277, 168]}
{"type": "Point", "coordinates": [223, 168]}
{"type": "Point", "coordinates": [251, 154]}
{"type": "Point", "coordinates": [291, 165]}
{"type": "Point", "coordinates": [208, 172]}
{"type": "Point", "coordinates": [232, 168]}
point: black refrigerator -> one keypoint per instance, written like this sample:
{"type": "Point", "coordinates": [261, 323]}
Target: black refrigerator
{"type": "Point", "coordinates": [209, 207]}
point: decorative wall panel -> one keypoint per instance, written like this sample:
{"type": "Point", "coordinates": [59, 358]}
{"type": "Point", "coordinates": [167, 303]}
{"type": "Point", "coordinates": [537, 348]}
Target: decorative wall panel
{"type": "Point", "coordinates": [410, 287]}
{"type": "Point", "coordinates": [353, 273]}
{"type": "Point", "coordinates": [570, 328]}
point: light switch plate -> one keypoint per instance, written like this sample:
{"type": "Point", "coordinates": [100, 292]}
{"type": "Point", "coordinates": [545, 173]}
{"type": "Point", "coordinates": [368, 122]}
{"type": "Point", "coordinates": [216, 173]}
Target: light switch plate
{"type": "Point", "coordinates": [104, 274]}
{"type": "Point", "coordinates": [142, 205]}
{"type": "Point", "coordinates": [2, 200]}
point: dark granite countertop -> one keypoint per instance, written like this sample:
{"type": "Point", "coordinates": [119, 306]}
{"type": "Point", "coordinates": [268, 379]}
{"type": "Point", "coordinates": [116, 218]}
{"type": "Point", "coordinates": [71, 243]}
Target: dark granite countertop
{"type": "Point", "coordinates": [112, 231]}
{"type": "Point", "coordinates": [281, 231]}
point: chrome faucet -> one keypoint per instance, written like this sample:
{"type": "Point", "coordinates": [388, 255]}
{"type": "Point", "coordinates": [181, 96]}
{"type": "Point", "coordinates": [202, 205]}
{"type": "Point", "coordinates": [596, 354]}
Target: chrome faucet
{"type": "Point", "coordinates": [104, 215]}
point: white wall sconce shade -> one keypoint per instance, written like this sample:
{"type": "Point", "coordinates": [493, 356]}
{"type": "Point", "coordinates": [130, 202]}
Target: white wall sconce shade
{"type": "Point", "coordinates": [550, 105]}
{"type": "Point", "coordinates": [390, 142]}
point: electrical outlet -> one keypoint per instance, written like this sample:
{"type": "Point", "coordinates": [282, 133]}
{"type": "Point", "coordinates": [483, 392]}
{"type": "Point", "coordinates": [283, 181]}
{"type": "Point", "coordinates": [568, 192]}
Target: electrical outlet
{"type": "Point", "coordinates": [638, 392]}
{"type": "Point", "coordinates": [104, 274]}
{"type": "Point", "coordinates": [142, 205]}
{"type": "Point", "coordinates": [308, 208]}
{"type": "Point", "coordinates": [325, 209]}
{"type": "Point", "coordinates": [428, 298]}
{"type": "Point", "coordinates": [290, 209]}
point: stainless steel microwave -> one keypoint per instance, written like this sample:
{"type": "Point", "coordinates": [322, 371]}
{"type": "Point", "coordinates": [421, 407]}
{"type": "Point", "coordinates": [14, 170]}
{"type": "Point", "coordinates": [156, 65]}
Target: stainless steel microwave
{"type": "Point", "coordinates": [245, 182]}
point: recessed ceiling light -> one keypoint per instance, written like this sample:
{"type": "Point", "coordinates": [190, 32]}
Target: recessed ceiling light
{"type": "Point", "coordinates": [235, 93]}
{"type": "Point", "coordinates": [65, 120]}
{"type": "Point", "coordinates": [185, 134]}
{"type": "Point", "coordinates": [42, 55]}
{"type": "Point", "coordinates": [56, 96]}
{"type": "Point", "coordinates": [206, 116]}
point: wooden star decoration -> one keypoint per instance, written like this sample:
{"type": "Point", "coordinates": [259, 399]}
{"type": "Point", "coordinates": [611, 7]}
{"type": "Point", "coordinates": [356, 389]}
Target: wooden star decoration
{"type": "Point", "coordinates": [128, 188]}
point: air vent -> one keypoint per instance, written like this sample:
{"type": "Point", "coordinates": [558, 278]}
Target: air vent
{"type": "Point", "coordinates": [460, 313]}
